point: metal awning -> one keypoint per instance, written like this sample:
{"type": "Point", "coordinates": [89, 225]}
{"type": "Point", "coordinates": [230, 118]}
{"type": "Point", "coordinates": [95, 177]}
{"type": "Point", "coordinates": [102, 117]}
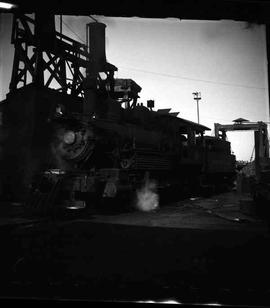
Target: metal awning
{"type": "Point", "coordinates": [183, 124]}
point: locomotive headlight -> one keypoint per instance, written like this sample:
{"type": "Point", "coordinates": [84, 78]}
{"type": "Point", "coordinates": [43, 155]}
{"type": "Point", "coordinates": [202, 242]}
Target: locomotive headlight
{"type": "Point", "coordinates": [69, 137]}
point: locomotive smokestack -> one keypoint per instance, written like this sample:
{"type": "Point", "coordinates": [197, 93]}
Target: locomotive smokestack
{"type": "Point", "coordinates": [95, 34]}
{"type": "Point", "coordinates": [97, 64]}
{"type": "Point", "coordinates": [96, 47]}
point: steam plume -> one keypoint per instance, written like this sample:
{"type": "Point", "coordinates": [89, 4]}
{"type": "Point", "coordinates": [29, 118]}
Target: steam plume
{"type": "Point", "coordinates": [147, 198]}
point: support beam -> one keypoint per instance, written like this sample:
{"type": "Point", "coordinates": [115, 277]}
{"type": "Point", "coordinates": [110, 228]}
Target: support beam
{"type": "Point", "coordinates": [267, 30]}
{"type": "Point", "coordinates": [56, 57]}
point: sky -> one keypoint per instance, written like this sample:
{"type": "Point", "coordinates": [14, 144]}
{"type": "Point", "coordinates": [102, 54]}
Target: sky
{"type": "Point", "coordinates": [171, 58]}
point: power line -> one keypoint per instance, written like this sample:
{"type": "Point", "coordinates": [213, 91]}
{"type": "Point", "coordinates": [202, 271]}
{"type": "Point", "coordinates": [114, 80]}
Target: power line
{"type": "Point", "coordinates": [216, 119]}
{"type": "Point", "coordinates": [82, 40]}
{"type": "Point", "coordinates": [93, 18]}
{"type": "Point", "coordinates": [74, 33]}
{"type": "Point", "coordinates": [170, 75]}
{"type": "Point", "coordinates": [193, 79]}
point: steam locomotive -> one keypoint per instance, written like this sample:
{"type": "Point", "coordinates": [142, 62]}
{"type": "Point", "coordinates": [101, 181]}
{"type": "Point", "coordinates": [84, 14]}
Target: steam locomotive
{"type": "Point", "coordinates": [99, 143]}
{"type": "Point", "coordinates": [125, 146]}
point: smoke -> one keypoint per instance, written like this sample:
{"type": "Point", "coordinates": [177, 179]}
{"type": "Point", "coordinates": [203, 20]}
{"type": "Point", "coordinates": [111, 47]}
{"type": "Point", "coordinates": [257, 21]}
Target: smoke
{"type": "Point", "coordinates": [57, 150]}
{"type": "Point", "coordinates": [147, 198]}
{"type": "Point", "coordinates": [58, 159]}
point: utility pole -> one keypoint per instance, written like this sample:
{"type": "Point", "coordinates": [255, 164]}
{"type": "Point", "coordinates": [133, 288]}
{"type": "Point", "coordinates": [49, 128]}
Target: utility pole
{"type": "Point", "coordinates": [197, 97]}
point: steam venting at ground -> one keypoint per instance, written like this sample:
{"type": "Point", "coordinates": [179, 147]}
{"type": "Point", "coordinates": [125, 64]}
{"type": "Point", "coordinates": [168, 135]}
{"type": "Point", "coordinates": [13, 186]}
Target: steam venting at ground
{"type": "Point", "coordinates": [147, 197]}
